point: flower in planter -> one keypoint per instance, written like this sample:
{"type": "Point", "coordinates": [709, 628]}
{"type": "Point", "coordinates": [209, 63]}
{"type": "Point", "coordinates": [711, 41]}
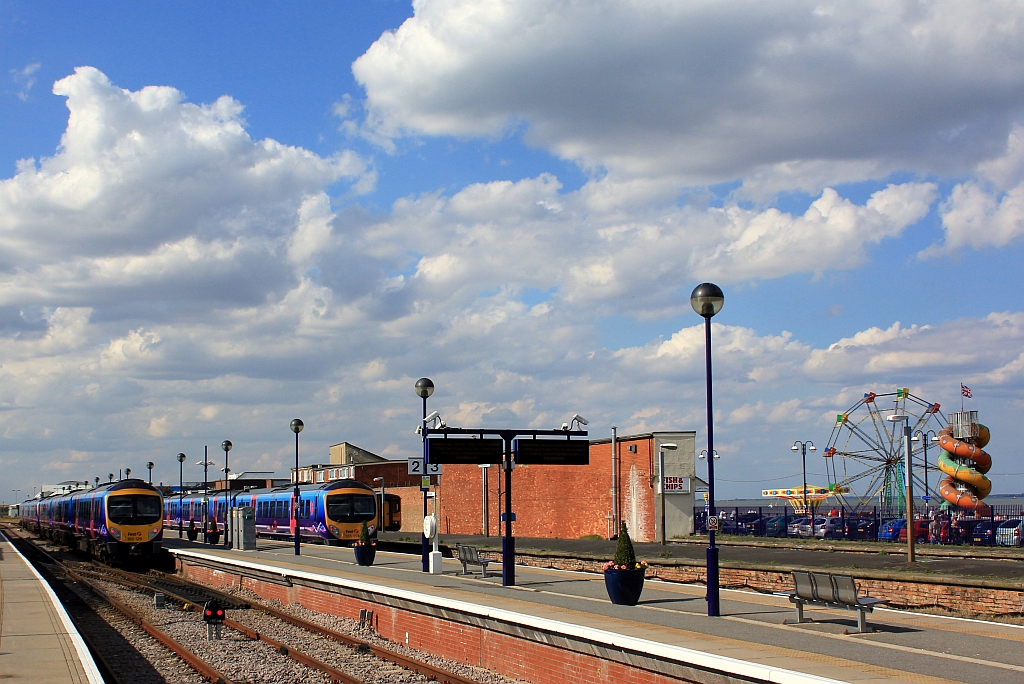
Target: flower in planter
{"type": "Point", "coordinates": [364, 537]}
{"type": "Point", "coordinates": [625, 558]}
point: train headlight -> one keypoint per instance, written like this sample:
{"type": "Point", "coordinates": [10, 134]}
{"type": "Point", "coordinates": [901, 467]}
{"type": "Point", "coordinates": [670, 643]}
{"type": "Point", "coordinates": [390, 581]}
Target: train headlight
{"type": "Point", "coordinates": [154, 532]}
{"type": "Point", "coordinates": [335, 531]}
{"type": "Point", "coordinates": [115, 533]}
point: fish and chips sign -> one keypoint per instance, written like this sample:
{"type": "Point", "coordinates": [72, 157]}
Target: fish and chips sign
{"type": "Point", "coordinates": [677, 485]}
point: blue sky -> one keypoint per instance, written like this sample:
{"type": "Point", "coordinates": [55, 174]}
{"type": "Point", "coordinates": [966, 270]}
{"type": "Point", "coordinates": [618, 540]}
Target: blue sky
{"type": "Point", "coordinates": [299, 208]}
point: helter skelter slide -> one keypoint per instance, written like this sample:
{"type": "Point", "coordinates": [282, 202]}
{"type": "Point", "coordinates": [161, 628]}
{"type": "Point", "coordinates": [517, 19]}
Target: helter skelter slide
{"type": "Point", "coordinates": [964, 461]}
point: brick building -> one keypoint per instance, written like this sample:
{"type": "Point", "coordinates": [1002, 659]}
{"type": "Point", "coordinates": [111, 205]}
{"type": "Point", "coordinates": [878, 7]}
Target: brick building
{"type": "Point", "coordinates": [576, 501]}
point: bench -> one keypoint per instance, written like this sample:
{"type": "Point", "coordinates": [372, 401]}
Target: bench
{"type": "Point", "coordinates": [469, 555]}
{"type": "Point", "coordinates": [831, 591]}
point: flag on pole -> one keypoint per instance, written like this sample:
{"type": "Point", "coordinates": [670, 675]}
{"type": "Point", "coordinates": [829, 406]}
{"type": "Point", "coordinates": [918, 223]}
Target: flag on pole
{"type": "Point", "coordinates": [965, 390]}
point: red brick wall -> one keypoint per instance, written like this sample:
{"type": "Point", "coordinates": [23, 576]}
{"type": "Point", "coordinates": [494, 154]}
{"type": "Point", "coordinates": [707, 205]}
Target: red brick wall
{"type": "Point", "coordinates": [568, 502]}
{"type": "Point", "coordinates": [511, 656]}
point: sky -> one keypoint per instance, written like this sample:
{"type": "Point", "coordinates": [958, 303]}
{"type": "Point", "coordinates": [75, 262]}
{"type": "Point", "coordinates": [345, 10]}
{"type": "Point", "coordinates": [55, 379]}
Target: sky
{"type": "Point", "coordinates": [218, 217]}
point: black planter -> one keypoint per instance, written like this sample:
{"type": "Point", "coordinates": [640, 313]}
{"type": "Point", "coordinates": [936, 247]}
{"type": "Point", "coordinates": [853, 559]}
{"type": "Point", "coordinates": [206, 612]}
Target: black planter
{"type": "Point", "coordinates": [365, 554]}
{"type": "Point", "coordinates": [624, 586]}
{"type": "Point", "coordinates": [192, 534]}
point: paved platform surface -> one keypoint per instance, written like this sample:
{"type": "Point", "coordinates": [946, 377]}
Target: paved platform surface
{"type": "Point", "coordinates": [906, 647]}
{"type": "Point", "coordinates": [38, 642]}
{"type": "Point", "coordinates": [892, 558]}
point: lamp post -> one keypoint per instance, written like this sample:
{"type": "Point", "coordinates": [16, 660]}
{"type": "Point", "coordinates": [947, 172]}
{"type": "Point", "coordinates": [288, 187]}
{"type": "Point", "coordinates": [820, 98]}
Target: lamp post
{"type": "Point", "coordinates": [380, 522]}
{"type": "Point", "coordinates": [661, 475]}
{"type": "Point", "coordinates": [484, 504]}
{"type": "Point", "coordinates": [17, 494]}
{"type": "Point", "coordinates": [707, 300]}
{"type": "Point", "coordinates": [181, 487]}
{"type": "Point", "coordinates": [908, 480]}
{"type": "Point", "coordinates": [206, 463]}
{"type": "Point", "coordinates": [150, 465]}
{"type": "Point", "coordinates": [226, 446]}
{"type": "Point", "coordinates": [424, 387]}
{"type": "Point", "coordinates": [924, 436]}
{"type": "Point", "coordinates": [97, 480]}
{"type": "Point", "coordinates": [127, 473]}
{"type": "Point", "coordinates": [802, 447]}
{"type": "Point", "coordinates": [296, 426]}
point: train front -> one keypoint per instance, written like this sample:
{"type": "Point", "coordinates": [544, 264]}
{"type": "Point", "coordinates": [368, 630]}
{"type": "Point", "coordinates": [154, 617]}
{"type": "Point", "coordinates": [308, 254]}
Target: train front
{"type": "Point", "coordinates": [348, 504]}
{"type": "Point", "coordinates": [134, 523]}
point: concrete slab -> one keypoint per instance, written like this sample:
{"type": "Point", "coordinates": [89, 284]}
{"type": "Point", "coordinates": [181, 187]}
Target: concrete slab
{"type": "Point", "coordinates": [38, 641]}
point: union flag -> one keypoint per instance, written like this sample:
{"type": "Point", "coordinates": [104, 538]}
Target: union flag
{"type": "Point", "coordinates": [965, 390]}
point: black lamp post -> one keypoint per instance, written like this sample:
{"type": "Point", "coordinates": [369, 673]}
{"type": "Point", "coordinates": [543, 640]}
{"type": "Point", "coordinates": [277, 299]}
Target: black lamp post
{"type": "Point", "coordinates": [226, 446]}
{"type": "Point", "coordinates": [181, 487]}
{"type": "Point", "coordinates": [296, 426]}
{"type": "Point", "coordinates": [424, 387]}
{"type": "Point", "coordinates": [127, 473]}
{"type": "Point", "coordinates": [206, 463]}
{"type": "Point", "coordinates": [150, 465]}
{"type": "Point", "coordinates": [802, 447]}
{"type": "Point", "coordinates": [707, 300]}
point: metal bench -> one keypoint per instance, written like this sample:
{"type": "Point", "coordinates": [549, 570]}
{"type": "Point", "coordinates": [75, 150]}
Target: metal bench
{"type": "Point", "coordinates": [469, 555]}
{"type": "Point", "coordinates": [831, 591]}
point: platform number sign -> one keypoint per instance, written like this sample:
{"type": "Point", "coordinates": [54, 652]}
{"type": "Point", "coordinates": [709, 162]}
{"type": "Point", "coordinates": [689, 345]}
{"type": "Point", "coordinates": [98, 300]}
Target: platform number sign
{"type": "Point", "coordinates": [416, 467]}
{"type": "Point", "coordinates": [712, 523]}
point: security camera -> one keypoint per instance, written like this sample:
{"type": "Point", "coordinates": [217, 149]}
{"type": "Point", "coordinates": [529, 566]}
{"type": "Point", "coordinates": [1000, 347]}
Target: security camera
{"type": "Point", "coordinates": [419, 430]}
{"type": "Point", "coordinates": [580, 419]}
{"type": "Point", "coordinates": [431, 417]}
{"type": "Point", "coordinates": [565, 426]}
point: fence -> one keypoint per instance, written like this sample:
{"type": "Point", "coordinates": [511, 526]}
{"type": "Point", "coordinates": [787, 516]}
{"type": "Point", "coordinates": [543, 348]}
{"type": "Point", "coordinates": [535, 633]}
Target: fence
{"type": "Point", "coordinates": [876, 523]}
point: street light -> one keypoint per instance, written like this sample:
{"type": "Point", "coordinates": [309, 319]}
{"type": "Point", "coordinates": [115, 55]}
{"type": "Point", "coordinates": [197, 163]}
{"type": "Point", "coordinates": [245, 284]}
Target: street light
{"type": "Point", "coordinates": [934, 438]}
{"type": "Point", "coordinates": [296, 426]}
{"type": "Point", "coordinates": [707, 300]}
{"type": "Point", "coordinates": [909, 481]}
{"type": "Point", "coordinates": [127, 473]}
{"type": "Point", "coordinates": [181, 487]}
{"type": "Point", "coordinates": [380, 522]}
{"type": "Point", "coordinates": [226, 446]}
{"type": "Point", "coordinates": [17, 494]}
{"type": "Point", "coordinates": [150, 466]}
{"type": "Point", "coordinates": [424, 387]}
{"type": "Point", "coordinates": [661, 473]}
{"type": "Point", "coordinates": [206, 463]}
{"type": "Point", "coordinates": [704, 454]}
{"type": "Point", "coordinates": [802, 447]}
{"type": "Point", "coordinates": [110, 477]}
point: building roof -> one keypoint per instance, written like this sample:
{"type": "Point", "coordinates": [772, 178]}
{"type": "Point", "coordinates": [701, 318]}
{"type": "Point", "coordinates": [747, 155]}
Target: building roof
{"type": "Point", "coordinates": [643, 435]}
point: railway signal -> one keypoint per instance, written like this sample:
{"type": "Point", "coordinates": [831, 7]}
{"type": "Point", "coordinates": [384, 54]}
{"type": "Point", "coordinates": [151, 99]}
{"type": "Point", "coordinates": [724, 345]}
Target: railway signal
{"type": "Point", "coordinates": [213, 616]}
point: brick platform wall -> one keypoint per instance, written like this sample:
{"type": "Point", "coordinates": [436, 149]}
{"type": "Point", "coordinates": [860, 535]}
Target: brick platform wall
{"type": "Point", "coordinates": [509, 655]}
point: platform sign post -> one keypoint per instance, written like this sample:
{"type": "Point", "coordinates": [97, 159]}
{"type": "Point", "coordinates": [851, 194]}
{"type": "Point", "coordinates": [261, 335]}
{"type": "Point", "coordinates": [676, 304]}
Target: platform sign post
{"type": "Point", "coordinates": [508, 450]}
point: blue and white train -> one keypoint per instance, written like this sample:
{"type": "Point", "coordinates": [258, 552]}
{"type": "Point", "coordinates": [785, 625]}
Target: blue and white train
{"type": "Point", "coordinates": [115, 521]}
{"type": "Point", "coordinates": [330, 513]}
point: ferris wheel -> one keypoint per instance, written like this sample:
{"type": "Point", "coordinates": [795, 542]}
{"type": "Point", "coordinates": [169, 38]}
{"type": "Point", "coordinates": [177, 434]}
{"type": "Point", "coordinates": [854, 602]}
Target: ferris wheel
{"type": "Point", "coordinates": [865, 454]}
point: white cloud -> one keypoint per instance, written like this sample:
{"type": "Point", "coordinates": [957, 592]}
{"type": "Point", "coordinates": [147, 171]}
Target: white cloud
{"type": "Point", "coordinates": [25, 78]}
{"type": "Point", "coordinates": [709, 92]}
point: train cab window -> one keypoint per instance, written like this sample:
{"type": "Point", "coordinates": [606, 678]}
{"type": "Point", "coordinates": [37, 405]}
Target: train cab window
{"type": "Point", "coordinates": [352, 508]}
{"type": "Point", "coordinates": [133, 509]}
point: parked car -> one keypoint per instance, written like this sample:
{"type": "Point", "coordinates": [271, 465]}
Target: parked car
{"type": "Point", "coordinates": [829, 528]}
{"type": "Point", "coordinates": [1010, 533]}
{"type": "Point", "coordinates": [776, 527]}
{"type": "Point", "coordinates": [794, 525]}
{"type": "Point", "coordinates": [804, 528]}
{"type": "Point", "coordinates": [861, 528]}
{"type": "Point", "coordinates": [890, 529]}
{"type": "Point", "coordinates": [962, 529]}
{"type": "Point", "coordinates": [750, 522]}
{"type": "Point", "coordinates": [983, 534]}
{"type": "Point", "coordinates": [920, 531]}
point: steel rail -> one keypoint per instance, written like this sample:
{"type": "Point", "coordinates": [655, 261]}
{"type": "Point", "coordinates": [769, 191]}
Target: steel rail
{"type": "Point", "coordinates": [200, 666]}
{"type": "Point", "coordinates": [418, 666]}
{"type": "Point", "coordinates": [298, 656]}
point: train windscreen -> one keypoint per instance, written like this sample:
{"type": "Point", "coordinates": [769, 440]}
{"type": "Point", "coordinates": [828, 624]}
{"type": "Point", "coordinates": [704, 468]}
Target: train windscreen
{"type": "Point", "coordinates": [134, 509]}
{"type": "Point", "coordinates": [351, 508]}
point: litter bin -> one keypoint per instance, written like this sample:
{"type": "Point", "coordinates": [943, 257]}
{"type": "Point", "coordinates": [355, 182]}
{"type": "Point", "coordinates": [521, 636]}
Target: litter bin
{"type": "Point", "coordinates": [243, 523]}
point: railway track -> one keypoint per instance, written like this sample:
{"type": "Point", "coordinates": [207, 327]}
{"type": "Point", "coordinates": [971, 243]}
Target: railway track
{"type": "Point", "coordinates": [274, 636]}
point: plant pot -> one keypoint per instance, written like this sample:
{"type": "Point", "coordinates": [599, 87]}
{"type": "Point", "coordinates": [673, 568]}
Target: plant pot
{"type": "Point", "coordinates": [624, 586]}
{"type": "Point", "coordinates": [192, 535]}
{"type": "Point", "coordinates": [365, 554]}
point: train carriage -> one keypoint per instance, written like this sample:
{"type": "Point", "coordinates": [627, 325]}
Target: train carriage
{"type": "Point", "coordinates": [116, 521]}
{"type": "Point", "coordinates": [330, 513]}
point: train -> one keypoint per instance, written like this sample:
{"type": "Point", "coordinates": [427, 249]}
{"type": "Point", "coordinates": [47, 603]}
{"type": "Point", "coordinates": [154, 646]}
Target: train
{"type": "Point", "coordinates": [117, 521]}
{"type": "Point", "coordinates": [331, 513]}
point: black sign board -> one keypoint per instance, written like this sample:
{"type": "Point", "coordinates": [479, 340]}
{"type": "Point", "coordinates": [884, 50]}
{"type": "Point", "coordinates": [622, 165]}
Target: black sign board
{"type": "Point", "coordinates": [552, 452]}
{"type": "Point", "coordinates": [478, 451]}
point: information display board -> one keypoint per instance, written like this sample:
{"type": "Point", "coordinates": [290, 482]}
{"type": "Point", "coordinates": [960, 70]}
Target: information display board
{"type": "Point", "coordinates": [552, 451]}
{"type": "Point", "coordinates": [460, 450]}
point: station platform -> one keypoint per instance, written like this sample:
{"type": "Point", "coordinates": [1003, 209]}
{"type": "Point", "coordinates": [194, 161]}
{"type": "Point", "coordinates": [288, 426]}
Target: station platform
{"type": "Point", "coordinates": [667, 635]}
{"type": "Point", "coordinates": [38, 641]}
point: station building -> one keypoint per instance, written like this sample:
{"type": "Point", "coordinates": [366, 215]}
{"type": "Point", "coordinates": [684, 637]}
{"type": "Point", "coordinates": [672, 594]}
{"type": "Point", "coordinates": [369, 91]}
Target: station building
{"type": "Point", "coordinates": [622, 482]}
